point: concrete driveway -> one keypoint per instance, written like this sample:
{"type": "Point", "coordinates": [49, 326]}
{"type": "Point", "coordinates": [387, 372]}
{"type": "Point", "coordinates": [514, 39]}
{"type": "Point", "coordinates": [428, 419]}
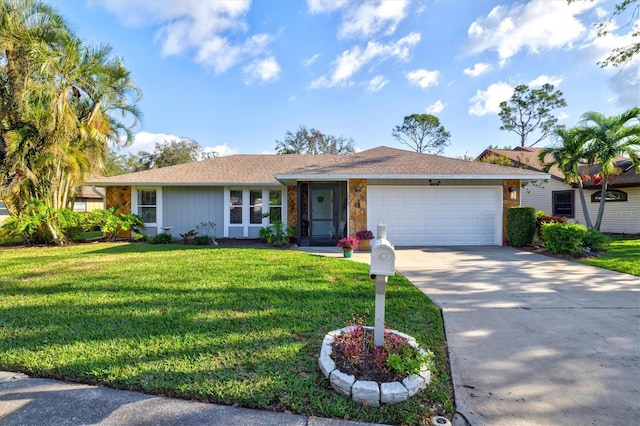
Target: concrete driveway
{"type": "Point", "coordinates": [534, 340]}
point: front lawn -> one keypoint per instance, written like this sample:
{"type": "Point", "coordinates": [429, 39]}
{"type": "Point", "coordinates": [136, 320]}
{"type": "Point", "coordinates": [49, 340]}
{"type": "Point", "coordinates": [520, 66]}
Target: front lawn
{"type": "Point", "coordinates": [622, 254]}
{"type": "Point", "coordinates": [226, 325]}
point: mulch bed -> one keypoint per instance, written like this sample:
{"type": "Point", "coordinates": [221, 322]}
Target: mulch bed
{"type": "Point", "coordinates": [581, 255]}
{"type": "Point", "coordinates": [365, 367]}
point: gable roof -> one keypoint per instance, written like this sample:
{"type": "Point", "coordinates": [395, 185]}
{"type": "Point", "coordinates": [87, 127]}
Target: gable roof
{"type": "Point", "coordinates": [380, 162]}
{"type": "Point", "coordinates": [525, 157]}
{"type": "Point", "coordinates": [528, 157]}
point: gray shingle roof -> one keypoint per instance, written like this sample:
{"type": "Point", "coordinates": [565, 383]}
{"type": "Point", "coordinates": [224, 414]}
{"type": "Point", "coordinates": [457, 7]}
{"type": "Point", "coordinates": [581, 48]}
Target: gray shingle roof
{"type": "Point", "coordinates": [380, 162]}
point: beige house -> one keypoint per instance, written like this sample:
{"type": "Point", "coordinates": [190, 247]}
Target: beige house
{"type": "Point", "coordinates": [423, 199]}
{"type": "Point", "coordinates": [622, 209]}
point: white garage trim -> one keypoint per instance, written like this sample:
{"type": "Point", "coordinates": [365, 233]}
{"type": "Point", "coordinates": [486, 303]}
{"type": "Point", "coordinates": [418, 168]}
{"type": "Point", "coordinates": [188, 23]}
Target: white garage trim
{"type": "Point", "coordinates": [437, 215]}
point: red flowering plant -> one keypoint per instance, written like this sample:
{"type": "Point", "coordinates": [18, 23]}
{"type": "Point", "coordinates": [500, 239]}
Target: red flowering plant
{"type": "Point", "coordinates": [349, 242]}
{"type": "Point", "coordinates": [364, 234]}
{"type": "Point", "coordinates": [354, 353]}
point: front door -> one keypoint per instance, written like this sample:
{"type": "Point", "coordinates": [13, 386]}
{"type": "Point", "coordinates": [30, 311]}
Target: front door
{"type": "Point", "coordinates": [323, 226]}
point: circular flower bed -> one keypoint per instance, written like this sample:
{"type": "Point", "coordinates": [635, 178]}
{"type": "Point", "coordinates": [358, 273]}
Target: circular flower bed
{"type": "Point", "coordinates": [369, 381]}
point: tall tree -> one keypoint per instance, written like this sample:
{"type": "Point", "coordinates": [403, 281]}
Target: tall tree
{"type": "Point", "coordinates": [623, 54]}
{"type": "Point", "coordinates": [312, 141]}
{"type": "Point", "coordinates": [568, 155]}
{"type": "Point", "coordinates": [529, 110]}
{"type": "Point", "coordinates": [606, 139]}
{"type": "Point", "coordinates": [172, 152]}
{"type": "Point", "coordinates": [59, 103]}
{"type": "Point", "coordinates": [422, 133]}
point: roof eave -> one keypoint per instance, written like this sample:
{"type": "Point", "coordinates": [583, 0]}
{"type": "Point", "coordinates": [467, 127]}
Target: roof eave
{"type": "Point", "coordinates": [316, 177]}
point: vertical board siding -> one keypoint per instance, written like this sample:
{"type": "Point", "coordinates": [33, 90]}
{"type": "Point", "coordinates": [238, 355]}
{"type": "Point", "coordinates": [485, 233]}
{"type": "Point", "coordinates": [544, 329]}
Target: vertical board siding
{"type": "Point", "coordinates": [184, 208]}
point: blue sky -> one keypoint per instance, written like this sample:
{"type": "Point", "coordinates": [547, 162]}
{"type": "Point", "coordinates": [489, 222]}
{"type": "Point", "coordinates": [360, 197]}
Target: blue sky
{"type": "Point", "coordinates": [236, 75]}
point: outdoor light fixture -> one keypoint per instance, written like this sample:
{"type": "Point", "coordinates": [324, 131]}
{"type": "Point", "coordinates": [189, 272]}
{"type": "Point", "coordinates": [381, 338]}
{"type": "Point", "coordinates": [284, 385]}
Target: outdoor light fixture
{"type": "Point", "coordinates": [358, 188]}
{"type": "Point", "coordinates": [513, 192]}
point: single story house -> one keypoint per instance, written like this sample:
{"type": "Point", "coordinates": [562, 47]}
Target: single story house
{"type": "Point", "coordinates": [423, 199]}
{"type": "Point", "coordinates": [89, 199]}
{"type": "Point", "coordinates": [622, 209]}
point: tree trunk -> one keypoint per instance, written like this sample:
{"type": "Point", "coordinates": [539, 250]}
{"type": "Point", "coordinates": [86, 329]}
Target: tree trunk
{"type": "Point", "coordinates": [603, 199]}
{"type": "Point", "coordinates": [587, 218]}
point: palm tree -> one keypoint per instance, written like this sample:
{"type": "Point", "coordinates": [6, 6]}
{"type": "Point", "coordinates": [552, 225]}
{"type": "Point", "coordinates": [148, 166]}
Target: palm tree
{"type": "Point", "coordinates": [25, 25]}
{"type": "Point", "coordinates": [59, 106]}
{"type": "Point", "coordinates": [568, 157]}
{"type": "Point", "coordinates": [606, 139]}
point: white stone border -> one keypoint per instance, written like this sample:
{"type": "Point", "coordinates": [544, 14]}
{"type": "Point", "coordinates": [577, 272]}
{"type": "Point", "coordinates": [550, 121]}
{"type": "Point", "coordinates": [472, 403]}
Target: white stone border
{"type": "Point", "coordinates": [369, 392]}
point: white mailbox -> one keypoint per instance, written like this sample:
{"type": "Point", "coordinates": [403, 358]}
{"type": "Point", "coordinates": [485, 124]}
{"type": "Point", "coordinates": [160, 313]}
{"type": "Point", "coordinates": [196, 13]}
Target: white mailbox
{"type": "Point", "coordinates": [383, 258]}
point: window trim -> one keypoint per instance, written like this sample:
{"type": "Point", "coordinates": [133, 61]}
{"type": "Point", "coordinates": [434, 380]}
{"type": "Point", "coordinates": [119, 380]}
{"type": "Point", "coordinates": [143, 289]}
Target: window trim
{"type": "Point", "coordinates": [595, 197]}
{"type": "Point", "coordinates": [158, 224]}
{"type": "Point", "coordinates": [246, 224]}
{"type": "Point", "coordinates": [573, 203]}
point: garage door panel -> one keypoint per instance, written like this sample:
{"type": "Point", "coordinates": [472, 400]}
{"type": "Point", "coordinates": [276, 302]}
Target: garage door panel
{"type": "Point", "coordinates": [437, 215]}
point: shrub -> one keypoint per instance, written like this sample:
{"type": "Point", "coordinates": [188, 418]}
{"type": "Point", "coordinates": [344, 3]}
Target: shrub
{"type": "Point", "coordinates": [595, 239]}
{"type": "Point", "coordinates": [521, 226]}
{"type": "Point", "coordinates": [203, 240]}
{"type": "Point", "coordinates": [544, 218]}
{"type": "Point", "coordinates": [163, 238]}
{"type": "Point", "coordinates": [567, 238]}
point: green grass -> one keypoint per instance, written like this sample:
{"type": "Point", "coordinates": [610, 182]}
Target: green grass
{"type": "Point", "coordinates": [622, 255]}
{"type": "Point", "coordinates": [232, 326]}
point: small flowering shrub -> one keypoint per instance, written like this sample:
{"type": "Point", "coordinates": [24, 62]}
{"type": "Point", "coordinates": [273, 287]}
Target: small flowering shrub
{"type": "Point", "coordinates": [349, 242]}
{"type": "Point", "coordinates": [356, 354]}
{"type": "Point", "coordinates": [364, 234]}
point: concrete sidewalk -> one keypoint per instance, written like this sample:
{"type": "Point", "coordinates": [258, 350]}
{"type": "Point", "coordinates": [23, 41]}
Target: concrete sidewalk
{"type": "Point", "coordinates": [28, 401]}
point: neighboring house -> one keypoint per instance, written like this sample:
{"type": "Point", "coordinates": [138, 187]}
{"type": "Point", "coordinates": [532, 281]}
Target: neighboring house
{"type": "Point", "coordinates": [3, 212]}
{"type": "Point", "coordinates": [423, 199]}
{"type": "Point", "coordinates": [622, 209]}
{"type": "Point", "coordinates": [89, 199]}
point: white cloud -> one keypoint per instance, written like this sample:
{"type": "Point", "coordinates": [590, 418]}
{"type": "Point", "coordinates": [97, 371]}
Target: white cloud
{"type": "Point", "coordinates": [376, 84]}
{"type": "Point", "coordinates": [351, 61]}
{"type": "Point", "coordinates": [311, 60]}
{"type": "Point", "coordinates": [326, 6]}
{"type": "Point", "coordinates": [262, 71]}
{"type": "Point", "coordinates": [478, 69]}
{"type": "Point", "coordinates": [488, 101]}
{"type": "Point", "coordinates": [211, 31]}
{"type": "Point", "coordinates": [537, 25]}
{"type": "Point", "coordinates": [222, 150]}
{"type": "Point", "coordinates": [563, 116]}
{"type": "Point", "coordinates": [363, 18]}
{"type": "Point", "coordinates": [146, 141]}
{"type": "Point", "coordinates": [423, 78]}
{"type": "Point", "coordinates": [435, 108]}
{"type": "Point", "coordinates": [369, 18]}
{"type": "Point", "coordinates": [541, 80]}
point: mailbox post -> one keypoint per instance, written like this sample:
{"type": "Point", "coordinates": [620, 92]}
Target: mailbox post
{"type": "Point", "coordinates": [383, 265]}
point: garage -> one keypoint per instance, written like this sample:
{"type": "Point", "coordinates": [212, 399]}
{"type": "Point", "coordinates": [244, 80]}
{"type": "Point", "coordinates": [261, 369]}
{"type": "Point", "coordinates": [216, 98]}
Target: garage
{"type": "Point", "coordinates": [437, 216]}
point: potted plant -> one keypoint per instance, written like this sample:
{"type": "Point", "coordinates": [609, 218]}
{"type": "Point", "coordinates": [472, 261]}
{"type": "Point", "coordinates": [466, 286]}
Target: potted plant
{"type": "Point", "coordinates": [364, 237]}
{"type": "Point", "coordinates": [348, 244]}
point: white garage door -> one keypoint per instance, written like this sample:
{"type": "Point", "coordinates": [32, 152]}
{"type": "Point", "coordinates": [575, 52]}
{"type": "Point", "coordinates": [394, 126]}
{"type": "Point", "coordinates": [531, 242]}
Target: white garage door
{"type": "Point", "coordinates": [427, 216]}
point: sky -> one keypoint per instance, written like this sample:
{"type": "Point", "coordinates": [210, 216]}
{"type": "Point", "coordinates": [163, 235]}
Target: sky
{"type": "Point", "coordinates": [236, 75]}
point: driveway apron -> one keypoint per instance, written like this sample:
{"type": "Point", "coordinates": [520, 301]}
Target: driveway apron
{"type": "Point", "coordinates": [534, 340]}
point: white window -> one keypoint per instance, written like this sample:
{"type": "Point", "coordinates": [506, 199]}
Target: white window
{"type": "Point", "coordinates": [235, 207]}
{"type": "Point", "coordinates": [275, 205]}
{"type": "Point", "coordinates": [255, 207]}
{"type": "Point", "coordinates": [147, 205]}
{"type": "Point", "coordinates": [3, 209]}
{"type": "Point", "coordinates": [80, 205]}
{"type": "Point", "coordinates": [246, 206]}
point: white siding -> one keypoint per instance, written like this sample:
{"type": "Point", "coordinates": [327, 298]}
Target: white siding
{"type": "Point", "coordinates": [619, 217]}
